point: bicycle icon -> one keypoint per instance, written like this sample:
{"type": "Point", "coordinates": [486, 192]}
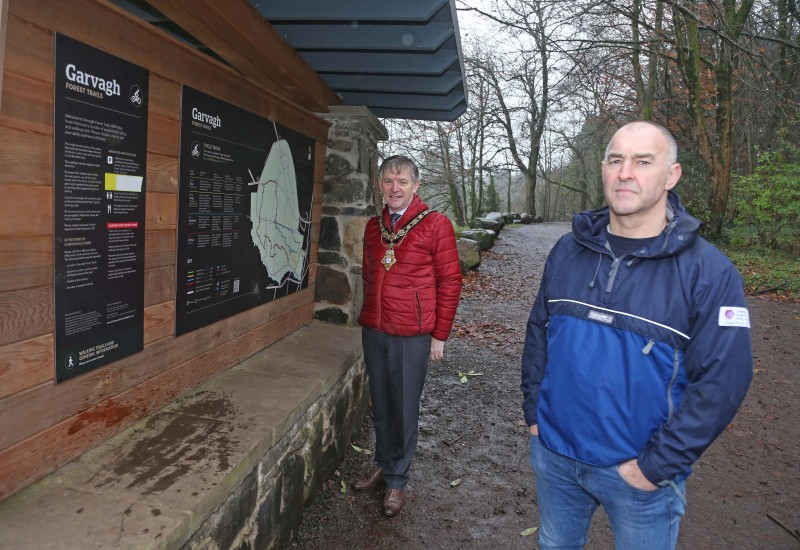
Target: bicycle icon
{"type": "Point", "coordinates": [136, 96]}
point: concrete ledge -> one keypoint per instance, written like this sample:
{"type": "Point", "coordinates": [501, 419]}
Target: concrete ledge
{"type": "Point", "coordinates": [229, 464]}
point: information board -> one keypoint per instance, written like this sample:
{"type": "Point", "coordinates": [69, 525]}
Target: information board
{"type": "Point", "coordinates": [100, 160]}
{"type": "Point", "coordinates": [244, 211]}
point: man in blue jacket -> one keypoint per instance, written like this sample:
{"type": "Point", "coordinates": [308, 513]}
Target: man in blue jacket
{"type": "Point", "coordinates": [637, 354]}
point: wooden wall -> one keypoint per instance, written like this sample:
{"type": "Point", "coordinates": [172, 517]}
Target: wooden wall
{"type": "Point", "coordinates": [43, 425]}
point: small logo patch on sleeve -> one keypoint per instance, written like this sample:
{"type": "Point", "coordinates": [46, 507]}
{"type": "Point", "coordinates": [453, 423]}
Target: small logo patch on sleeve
{"type": "Point", "coordinates": [730, 316]}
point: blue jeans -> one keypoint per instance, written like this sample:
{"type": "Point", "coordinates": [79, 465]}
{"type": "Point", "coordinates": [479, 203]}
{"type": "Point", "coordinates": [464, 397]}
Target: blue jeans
{"type": "Point", "coordinates": [570, 491]}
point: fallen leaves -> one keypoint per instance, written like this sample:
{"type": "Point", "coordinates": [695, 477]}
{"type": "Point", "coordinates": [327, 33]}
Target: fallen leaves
{"type": "Point", "coordinates": [450, 443]}
{"type": "Point", "coordinates": [492, 334]}
{"type": "Point", "coordinates": [360, 450]}
{"type": "Point", "coordinates": [463, 375]}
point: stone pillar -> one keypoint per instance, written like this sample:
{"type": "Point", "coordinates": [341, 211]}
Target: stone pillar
{"type": "Point", "coordinates": [349, 199]}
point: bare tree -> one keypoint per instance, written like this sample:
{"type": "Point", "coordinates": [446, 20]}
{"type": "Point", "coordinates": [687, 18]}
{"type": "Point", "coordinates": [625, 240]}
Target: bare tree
{"type": "Point", "coordinates": [520, 83]}
{"type": "Point", "coordinates": [450, 175]}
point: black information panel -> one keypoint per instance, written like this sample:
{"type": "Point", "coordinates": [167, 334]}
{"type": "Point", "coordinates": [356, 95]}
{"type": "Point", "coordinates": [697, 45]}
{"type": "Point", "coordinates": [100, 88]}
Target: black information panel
{"type": "Point", "coordinates": [244, 214]}
{"type": "Point", "coordinates": [100, 141]}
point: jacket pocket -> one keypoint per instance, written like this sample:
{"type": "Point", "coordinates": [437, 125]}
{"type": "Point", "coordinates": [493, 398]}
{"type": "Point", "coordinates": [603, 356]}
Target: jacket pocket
{"type": "Point", "coordinates": [418, 305]}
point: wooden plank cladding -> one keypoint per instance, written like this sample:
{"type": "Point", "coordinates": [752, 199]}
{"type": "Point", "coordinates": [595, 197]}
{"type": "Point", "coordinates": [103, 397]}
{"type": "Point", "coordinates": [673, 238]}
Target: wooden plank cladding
{"type": "Point", "coordinates": [26, 157]}
{"type": "Point", "coordinates": [26, 364]}
{"type": "Point", "coordinates": [27, 104]}
{"type": "Point", "coordinates": [44, 425]}
{"type": "Point", "coordinates": [25, 262]}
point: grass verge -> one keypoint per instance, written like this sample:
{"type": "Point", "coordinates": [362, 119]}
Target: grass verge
{"type": "Point", "coordinates": [768, 273]}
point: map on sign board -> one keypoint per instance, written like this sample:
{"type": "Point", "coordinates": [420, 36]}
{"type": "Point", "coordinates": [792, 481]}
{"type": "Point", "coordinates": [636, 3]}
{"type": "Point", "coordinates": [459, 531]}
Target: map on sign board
{"type": "Point", "coordinates": [244, 211]}
{"type": "Point", "coordinates": [279, 229]}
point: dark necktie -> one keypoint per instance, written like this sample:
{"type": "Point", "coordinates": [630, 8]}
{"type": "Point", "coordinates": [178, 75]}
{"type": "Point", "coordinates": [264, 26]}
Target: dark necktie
{"type": "Point", "coordinates": [394, 217]}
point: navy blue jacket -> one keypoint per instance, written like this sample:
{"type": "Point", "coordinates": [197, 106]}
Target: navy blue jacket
{"type": "Point", "coordinates": [645, 356]}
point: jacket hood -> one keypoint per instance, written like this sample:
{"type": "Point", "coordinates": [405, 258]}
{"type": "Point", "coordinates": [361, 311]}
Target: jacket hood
{"type": "Point", "coordinates": [589, 229]}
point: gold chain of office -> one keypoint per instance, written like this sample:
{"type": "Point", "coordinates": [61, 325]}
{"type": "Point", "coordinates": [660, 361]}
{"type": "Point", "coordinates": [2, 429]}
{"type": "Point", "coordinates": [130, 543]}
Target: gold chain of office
{"type": "Point", "coordinates": [392, 239]}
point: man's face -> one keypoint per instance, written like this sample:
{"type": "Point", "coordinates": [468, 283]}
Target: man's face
{"type": "Point", "coordinates": [637, 174]}
{"type": "Point", "coordinates": [398, 188]}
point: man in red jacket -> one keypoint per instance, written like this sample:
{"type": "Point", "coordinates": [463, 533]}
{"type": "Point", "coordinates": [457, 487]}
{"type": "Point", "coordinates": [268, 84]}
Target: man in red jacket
{"type": "Point", "coordinates": [412, 283]}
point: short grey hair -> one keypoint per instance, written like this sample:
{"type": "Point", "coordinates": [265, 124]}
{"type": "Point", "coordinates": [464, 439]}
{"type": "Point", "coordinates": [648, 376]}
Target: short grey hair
{"type": "Point", "coordinates": [672, 145]}
{"type": "Point", "coordinates": [396, 163]}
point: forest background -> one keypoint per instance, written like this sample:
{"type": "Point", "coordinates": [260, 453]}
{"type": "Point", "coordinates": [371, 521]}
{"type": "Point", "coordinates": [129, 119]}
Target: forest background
{"type": "Point", "coordinates": [549, 81]}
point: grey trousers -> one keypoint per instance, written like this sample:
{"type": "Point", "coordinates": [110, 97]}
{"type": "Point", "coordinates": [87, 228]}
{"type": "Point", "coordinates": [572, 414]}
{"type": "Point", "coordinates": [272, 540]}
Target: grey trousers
{"type": "Point", "coordinates": [396, 366]}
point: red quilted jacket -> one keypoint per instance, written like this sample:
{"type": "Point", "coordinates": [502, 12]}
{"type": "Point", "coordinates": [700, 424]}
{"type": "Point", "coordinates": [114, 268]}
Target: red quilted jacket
{"type": "Point", "coordinates": [419, 294]}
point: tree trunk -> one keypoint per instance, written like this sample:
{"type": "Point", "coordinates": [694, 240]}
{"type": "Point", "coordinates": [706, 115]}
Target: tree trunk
{"type": "Point", "coordinates": [508, 192]}
{"type": "Point", "coordinates": [715, 149]}
{"type": "Point", "coordinates": [447, 169]}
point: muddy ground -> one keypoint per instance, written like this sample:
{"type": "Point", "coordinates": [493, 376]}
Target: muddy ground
{"type": "Point", "coordinates": [471, 483]}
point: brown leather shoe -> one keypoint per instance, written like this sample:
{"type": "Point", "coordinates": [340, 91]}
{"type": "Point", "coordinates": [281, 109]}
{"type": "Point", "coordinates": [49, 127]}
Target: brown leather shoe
{"type": "Point", "coordinates": [393, 502]}
{"type": "Point", "coordinates": [369, 481]}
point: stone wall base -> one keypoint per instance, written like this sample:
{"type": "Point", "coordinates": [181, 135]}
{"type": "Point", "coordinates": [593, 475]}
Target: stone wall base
{"type": "Point", "coordinates": [265, 510]}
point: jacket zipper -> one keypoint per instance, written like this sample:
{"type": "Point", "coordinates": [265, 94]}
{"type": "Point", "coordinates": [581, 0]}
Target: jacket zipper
{"type": "Point", "coordinates": [675, 367]}
{"type": "Point", "coordinates": [671, 405]}
{"type": "Point", "coordinates": [612, 275]}
{"type": "Point", "coordinates": [379, 294]}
